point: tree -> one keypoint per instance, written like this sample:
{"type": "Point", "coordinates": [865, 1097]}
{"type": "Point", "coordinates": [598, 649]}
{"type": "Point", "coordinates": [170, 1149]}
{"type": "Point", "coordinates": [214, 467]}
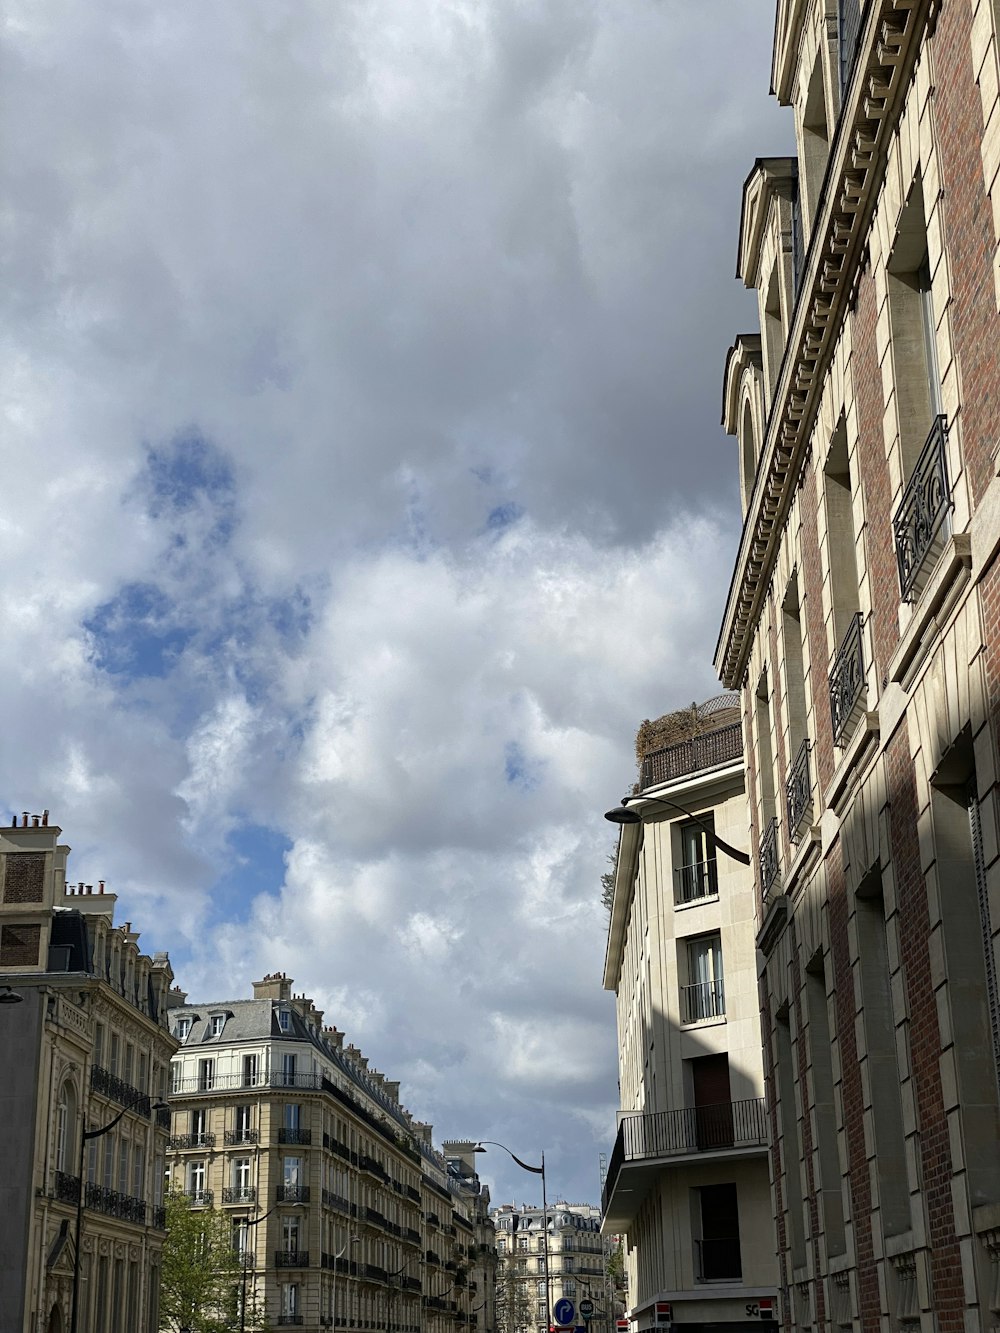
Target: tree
{"type": "Point", "coordinates": [512, 1304]}
{"type": "Point", "coordinates": [200, 1273]}
{"type": "Point", "coordinates": [608, 880]}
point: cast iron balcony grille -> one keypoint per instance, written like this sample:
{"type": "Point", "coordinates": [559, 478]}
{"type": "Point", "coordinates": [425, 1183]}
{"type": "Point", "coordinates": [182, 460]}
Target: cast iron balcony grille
{"type": "Point", "coordinates": [715, 747]}
{"type": "Point", "coordinates": [221, 1082]}
{"type": "Point", "coordinates": [291, 1258]}
{"type": "Point", "coordinates": [192, 1140]}
{"type": "Point", "coordinates": [798, 791]}
{"type": "Point", "coordinates": [926, 500]}
{"type": "Point", "coordinates": [289, 1319]}
{"type": "Point", "coordinates": [335, 1201]}
{"type": "Point", "coordinates": [234, 1138]}
{"type": "Point", "coordinates": [200, 1198]}
{"type": "Point", "coordinates": [293, 1194]}
{"type": "Point", "coordinates": [698, 880]}
{"type": "Point", "coordinates": [769, 857]}
{"type": "Point", "coordinates": [301, 1136]}
{"type": "Point", "coordinates": [847, 678]}
{"type": "Point", "coordinates": [67, 1188]}
{"type": "Point", "coordinates": [103, 1081]}
{"type": "Point", "coordinates": [719, 1260]}
{"type": "Point", "coordinates": [109, 1201]}
{"type": "Point", "coordinates": [239, 1194]}
{"type": "Point", "coordinates": [704, 999]}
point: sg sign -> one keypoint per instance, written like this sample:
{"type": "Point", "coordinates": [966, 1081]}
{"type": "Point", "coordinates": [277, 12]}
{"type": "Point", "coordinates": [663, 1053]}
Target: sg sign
{"type": "Point", "coordinates": [762, 1309]}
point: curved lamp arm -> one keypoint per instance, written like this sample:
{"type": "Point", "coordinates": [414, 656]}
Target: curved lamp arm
{"type": "Point", "coordinates": [621, 815]}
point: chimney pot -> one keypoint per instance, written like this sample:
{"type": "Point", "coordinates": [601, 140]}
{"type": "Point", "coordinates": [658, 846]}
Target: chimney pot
{"type": "Point", "coordinates": [45, 819]}
{"type": "Point", "coordinates": [24, 819]}
{"type": "Point", "coordinates": [36, 821]}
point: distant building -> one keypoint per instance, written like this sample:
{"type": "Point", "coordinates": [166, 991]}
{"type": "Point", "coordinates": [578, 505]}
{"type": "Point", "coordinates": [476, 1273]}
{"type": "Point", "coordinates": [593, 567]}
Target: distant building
{"type": "Point", "coordinates": [687, 1182]}
{"type": "Point", "coordinates": [86, 1045]}
{"type": "Point", "coordinates": [482, 1255]}
{"type": "Point", "coordinates": [577, 1264]}
{"type": "Point", "coordinates": [346, 1214]}
{"type": "Point", "coordinates": [862, 630]}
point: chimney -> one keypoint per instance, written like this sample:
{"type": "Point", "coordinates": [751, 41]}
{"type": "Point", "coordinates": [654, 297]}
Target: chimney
{"type": "Point", "coordinates": [275, 986]}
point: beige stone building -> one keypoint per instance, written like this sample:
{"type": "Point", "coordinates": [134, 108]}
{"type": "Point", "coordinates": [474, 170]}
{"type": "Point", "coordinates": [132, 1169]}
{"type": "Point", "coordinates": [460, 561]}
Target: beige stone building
{"type": "Point", "coordinates": [687, 1182]}
{"type": "Point", "coordinates": [577, 1263]}
{"type": "Point", "coordinates": [84, 1047]}
{"type": "Point", "coordinates": [345, 1212]}
{"type": "Point", "coordinates": [862, 630]}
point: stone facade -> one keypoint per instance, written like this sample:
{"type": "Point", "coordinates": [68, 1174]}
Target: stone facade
{"type": "Point", "coordinates": [86, 1047]}
{"type": "Point", "coordinates": [577, 1261]}
{"type": "Point", "coordinates": [687, 1183]}
{"type": "Point", "coordinates": [862, 630]}
{"type": "Point", "coordinates": [308, 1150]}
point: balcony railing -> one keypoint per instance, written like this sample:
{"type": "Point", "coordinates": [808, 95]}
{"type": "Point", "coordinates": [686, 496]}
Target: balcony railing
{"type": "Point", "coordinates": [103, 1081]}
{"type": "Point", "coordinates": [291, 1258]}
{"type": "Point", "coordinates": [718, 1260]}
{"type": "Point", "coordinates": [926, 500]}
{"type": "Point", "coordinates": [109, 1201]}
{"type": "Point", "coordinates": [293, 1194]}
{"type": "Point", "coordinates": [672, 761]}
{"type": "Point", "coordinates": [163, 1117]}
{"type": "Point", "coordinates": [287, 1134]}
{"type": "Point", "coordinates": [798, 790]}
{"type": "Point", "coordinates": [769, 865]}
{"type": "Point", "coordinates": [228, 1082]}
{"type": "Point", "coordinates": [236, 1138]}
{"type": "Point", "coordinates": [67, 1188]}
{"type": "Point", "coordinates": [699, 880]}
{"type": "Point", "coordinates": [847, 678]}
{"type": "Point", "coordinates": [703, 999]}
{"type": "Point", "coordinates": [285, 1320]}
{"type": "Point", "coordinates": [689, 1129]}
{"type": "Point", "coordinates": [192, 1140]}
{"type": "Point", "coordinates": [336, 1201]}
{"type": "Point", "coordinates": [239, 1194]}
{"type": "Point", "coordinates": [200, 1198]}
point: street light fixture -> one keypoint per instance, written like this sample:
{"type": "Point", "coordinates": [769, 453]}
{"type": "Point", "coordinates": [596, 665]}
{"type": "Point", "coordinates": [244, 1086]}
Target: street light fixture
{"type": "Point", "coordinates": [481, 1146]}
{"type": "Point", "coordinates": [255, 1222]}
{"type": "Point", "coordinates": [8, 996]}
{"type": "Point", "coordinates": [622, 815]}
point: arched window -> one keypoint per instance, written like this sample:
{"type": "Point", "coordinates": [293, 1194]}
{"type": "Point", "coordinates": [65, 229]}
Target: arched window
{"type": "Point", "coordinates": [66, 1127]}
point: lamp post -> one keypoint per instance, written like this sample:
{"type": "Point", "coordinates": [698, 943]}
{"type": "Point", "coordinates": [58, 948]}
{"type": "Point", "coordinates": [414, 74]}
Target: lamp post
{"type": "Point", "coordinates": [481, 1146]}
{"type": "Point", "coordinates": [8, 996]}
{"type": "Point", "coordinates": [255, 1222]}
{"type": "Point", "coordinates": [388, 1291]}
{"type": "Point", "coordinates": [351, 1240]}
{"type": "Point", "coordinates": [85, 1136]}
{"type": "Point", "coordinates": [621, 815]}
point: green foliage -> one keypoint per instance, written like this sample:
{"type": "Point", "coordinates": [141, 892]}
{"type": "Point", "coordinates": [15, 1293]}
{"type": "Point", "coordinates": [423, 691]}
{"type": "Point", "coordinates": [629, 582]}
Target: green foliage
{"type": "Point", "coordinates": [513, 1306]}
{"type": "Point", "coordinates": [200, 1276]}
{"type": "Point", "coordinates": [616, 1267]}
{"type": "Point", "coordinates": [608, 880]}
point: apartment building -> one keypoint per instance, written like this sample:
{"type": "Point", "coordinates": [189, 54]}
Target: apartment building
{"type": "Point", "coordinates": [481, 1256]}
{"type": "Point", "coordinates": [345, 1213]}
{"type": "Point", "coordinates": [861, 628]}
{"type": "Point", "coordinates": [84, 1047]}
{"type": "Point", "coordinates": [687, 1182]}
{"type": "Point", "coordinates": [564, 1261]}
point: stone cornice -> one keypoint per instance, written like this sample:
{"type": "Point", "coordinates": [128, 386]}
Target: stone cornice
{"type": "Point", "coordinates": [770, 176]}
{"type": "Point", "coordinates": [891, 42]}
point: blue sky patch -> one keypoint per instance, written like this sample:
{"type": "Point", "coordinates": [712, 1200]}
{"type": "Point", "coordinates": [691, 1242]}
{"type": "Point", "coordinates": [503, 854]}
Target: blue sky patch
{"type": "Point", "coordinates": [136, 634]}
{"type": "Point", "coordinates": [519, 770]}
{"type": "Point", "coordinates": [256, 865]}
{"type": "Point", "coordinates": [503, 516]}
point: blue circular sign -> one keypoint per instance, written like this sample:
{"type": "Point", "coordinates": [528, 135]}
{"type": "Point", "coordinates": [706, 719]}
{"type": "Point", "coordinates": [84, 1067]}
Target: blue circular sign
{"type": "Point", "coordinates": [564, 1311]}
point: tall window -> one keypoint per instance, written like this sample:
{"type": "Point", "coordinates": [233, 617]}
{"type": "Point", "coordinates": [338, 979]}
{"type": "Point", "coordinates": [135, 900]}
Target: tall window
{"type": "Point", "coordinates": [216, 1024]}
{"type": "Point", "coordinates": [293, 1115]}
{"type": "Point", "coordinates": [138, 1170]}
{"type": "Point", "coordinates": [838, 495]}
{"type": "Point", "coordinates": [250, 1071]}
{"type": "Point", "coordinates": [66, 1130]}
{"type": "Point", "coordinates": [765, 752]}
{"type": "Point", "coordinates": [290, 1233]}
{"type": "Point", "coordinates": [696, 875]}
{"type": "Point", "coordinates": [241, 1173]}
{"type": "Point", "coordinates": [243, 1122]}
{"type": "Point", "coordinates": [206, 1075]}
{"type": "Point", "coordinates": [791, 1142]}
{"type": "Point", "coordinates": [199, 1124]}
{"type": "Point", "coordinates": [196, 1177]}
{"type": "Point", "coordinates": [183, 1029]}
{"type": "Point", "coordinates": [291, 1168]}
{"type": "Point", "coordinates": [288, 1070]}
{"type": "Point", "coordinates": [704, 995]}
{"type": "Point", "coordinates": [824, 1111]}
{"type": "Point", "coordinates": [719, 1244]}
{"type": "Point", "coordinates": [289, 1299]}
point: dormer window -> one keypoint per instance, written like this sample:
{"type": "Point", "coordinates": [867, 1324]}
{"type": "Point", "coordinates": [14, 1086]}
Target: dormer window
{"type": "Point", "coordinates": [284, 1020]}
{"type": "Point", "coordinates": [215, 1024]}
{"type": "Point", "coordinates": [183, 1029]}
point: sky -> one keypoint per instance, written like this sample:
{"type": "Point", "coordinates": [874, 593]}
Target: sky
{"type": "Point", "coordinates": [364, 490]}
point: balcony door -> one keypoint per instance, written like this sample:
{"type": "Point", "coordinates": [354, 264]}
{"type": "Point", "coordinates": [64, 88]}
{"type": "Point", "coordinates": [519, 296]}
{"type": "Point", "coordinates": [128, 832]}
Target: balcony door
{"type": "Point", "coordinates": [713, 1107]}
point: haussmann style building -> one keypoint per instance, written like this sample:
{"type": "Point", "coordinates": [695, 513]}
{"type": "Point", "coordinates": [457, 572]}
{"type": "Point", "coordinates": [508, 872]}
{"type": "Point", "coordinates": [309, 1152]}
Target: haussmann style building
{"type": "Point", "coordinates": [83, 1046]}
{"type": "Point", "coordinates": [861, 629]}
{"type": "Point", "coordinates": [687, 1181]}
{"type": "Point", "coordinates": [549, 1256]}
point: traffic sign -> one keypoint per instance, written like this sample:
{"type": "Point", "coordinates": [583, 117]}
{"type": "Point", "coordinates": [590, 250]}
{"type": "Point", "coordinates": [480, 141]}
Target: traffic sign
{"type": "Point", "coordinates": [564, 1311]}
{"type": "Point", "coordinates": [587, 1307]}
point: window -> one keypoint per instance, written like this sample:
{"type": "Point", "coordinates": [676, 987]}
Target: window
{"type": "Point", "coordinates": [196, 1177]}
{"type": "Point", "coordinates": [718, 1249]}
{"type": "Point", "coordinates": [696, 875]}
{"type": "Point", "coordinates": [704, 995]}
{"type": "Point", "coordinates": [788, 1121]}
{"type": "Point", "coordinates": [288, 1071]}
{"type": "Point", "coordinates": [206, 1075]}
{"type": "Point", "coordinates": [183, 1029]}
{"type": "Point", "coordinates": [240, 1230]}
{"type": "Point", "coordinates": [291, 1171]}
{"type": "Point", "coordinates": [284, 1019]}
{"type": "Point", "coordinates": [138, 1170]}
{"type": "Point", "coordinates": [107, 1174]}
{"type": "Point", "coordinates": [289, 1299]}
{"type": "Point", "coordinates": [290, 1234]}
{"type": "Point", "coordinates": [250, 1071]}
{"type": "Point", "coordinates": [123, 1157]}
{"type": "Point", "coordinates": [113, 1053]}
{"type": "Point", "coordinates": [820, 1049]}
{"type": "Point", "coordinates": [128, 1062]}
{"type": "Point", "coordinates": [99, 1045]}
{"type": "Point", "coordinates": [243, 1122]}
{"type": "Point", "coordinates": [65, 1131]}
{"type": "Point", "coordinates": [241, 1173]}
{"type": "Point", "coordinates": [216, 1023]}
{"type": "Point", "coordinates": [293, 1115]}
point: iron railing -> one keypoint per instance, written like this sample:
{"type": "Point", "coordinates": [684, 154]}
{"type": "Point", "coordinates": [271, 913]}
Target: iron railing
{"type": "Point", "coordinates": [293, 1194]}
{"type": "Point", "coordinates": [67, 1188]}
{"type": "Point", "coordinates": [847, 678]}
{"type": "Point", "coordinates": [239, 1194]}
{"type": "Point", "coordinates": [718, 1260]}
{"type": "Point", "coordinates": [163, 1117]}
{"type": "Point", "coordinates": [291, 1258]}
{"type": "Point", "coordinates": [110, 1201]}
{"type": "Point", "coordinates": [798, 789]}
{"type": "Point", "coordinates": [926, 500]}
{"type": "Point", "coordinates": [235, 1138]}
{"type": "Point", "coordinates": [192, 1140]}
{"type": "Point", "coordinates": [200, 1198]}
{"type": "Point", "coordinates": [103, 1081]}
{"type": "Point", "coordinates": [699, 880]}
{"type": "Point", "coordinates": [703, 999]}
{"type": "Point", "coordinates": [224, 1082]}
{"type": "Point", "coordinates": [768, 857]}
{"type": "Point", "coordinates": [287, 1134]}
{"type": "Point", "coordinates": [672, 761]}
{"type": "Point", "coordinates": [285, 1320]}
{"type": "Point", "coordinates": [336, 1201]}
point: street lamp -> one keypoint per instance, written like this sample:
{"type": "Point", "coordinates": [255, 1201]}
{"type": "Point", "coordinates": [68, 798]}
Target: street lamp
{"type": "Point", "coordinates": [481, 1146]}
{"type": "Point", "coordinates": [255, 1222]}
{"type": "Point", "coordinates": [621, 815]}
{"type": "Point", "coordinates": [8, 996]}
{"type": "Point", "coordinates": [351, 1240]}
{"type": "Point", "coordinates": [388, 1292]}
{"type": "Point", "coordinates": [85, 1136]}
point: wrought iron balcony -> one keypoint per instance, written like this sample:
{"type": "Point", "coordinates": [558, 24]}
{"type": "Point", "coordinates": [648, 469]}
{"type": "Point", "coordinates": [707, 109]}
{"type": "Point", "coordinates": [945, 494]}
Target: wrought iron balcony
{"type": "Point", "coordinates": [798, 790]}
{"type": "Point", "coordinates": [239, 1194]}
{"type": "Point", "coordinates": [103, 1081]}
{"type": "Point", "coordinates": [926, 500]}
{"type": "Point", "coordinates": [287, 1134]}
{"type": "Point", "coordinates": [672, 761]}
{"type": "Point", "coordinates": [288, 1319]}
{"type": "Point", "coordinates": [192, 1140]}
{"type": "Point", "coordinates": [374, 1273]}
{"type": "Point", "coordinates": [847, 678]}
{"type": "Point", "coordinates": [704, 999]}
{"type": "Point", "coordinates": [685, 1131]}
{"type": "Point", "coordinates": [67, 1188]}
{"type": "Point", "coordinates": [109, 1201]}
{"type": "Point", "coordinates": [200, 1198]}
{"type": "Point", "coordinates": [698, 880]}
{"type": "Point", "coordinates": [293, 1194]}
{"type": "Point", "coordinates": [236, 1138]}
{"type": "Point", "coordinates": [769, 865]}
{"type": "Point", "coordinates": [291, 1258]}
{"type": "Point", "coordinates": [230, 1082]}
{"type": "Point", "coordinates": [163, 1117]}
{"type": "Point", "coordinates": [336, 1201]}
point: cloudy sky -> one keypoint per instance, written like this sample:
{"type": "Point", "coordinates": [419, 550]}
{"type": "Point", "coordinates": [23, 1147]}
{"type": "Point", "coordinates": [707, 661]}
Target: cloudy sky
{"type": "Point", "coordinates": [364, 491]}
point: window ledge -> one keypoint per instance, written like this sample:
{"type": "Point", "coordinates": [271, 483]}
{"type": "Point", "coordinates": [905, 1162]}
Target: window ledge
{"type": "Point", "coordinates": [697, 902]}
{"type": "Point", "coordinates": [933, 606]}
{"type": "Point", "coordinates": [704, 1023]}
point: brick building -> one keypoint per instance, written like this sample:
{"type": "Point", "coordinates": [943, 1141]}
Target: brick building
{"type": "Point", "coordinates": [862, 629]}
